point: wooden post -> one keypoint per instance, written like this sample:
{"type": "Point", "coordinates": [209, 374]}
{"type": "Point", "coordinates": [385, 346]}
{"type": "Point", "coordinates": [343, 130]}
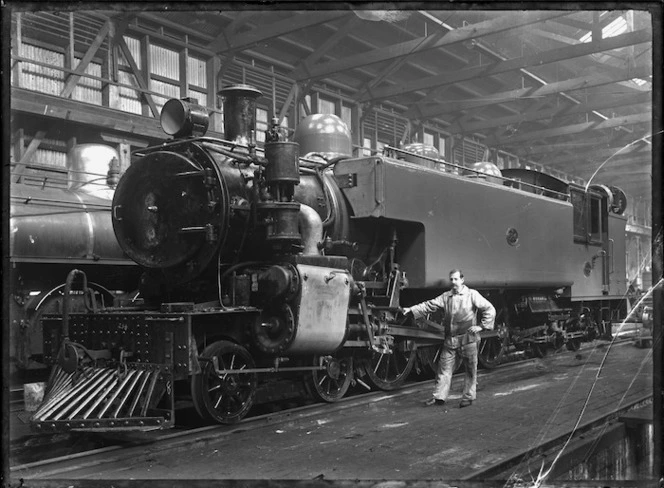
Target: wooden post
{"type": "Point", "coordinates": [144, 72]}
{"type": "Point", "coordinates": [16, 50]}
{"type": "Point", "coordinates": [212, 68]}
{"type": "Point", "coordinates": [184, 75]}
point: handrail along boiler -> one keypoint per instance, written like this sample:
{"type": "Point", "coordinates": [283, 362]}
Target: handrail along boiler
{"type": "Point", "coordinates": [262, 268]}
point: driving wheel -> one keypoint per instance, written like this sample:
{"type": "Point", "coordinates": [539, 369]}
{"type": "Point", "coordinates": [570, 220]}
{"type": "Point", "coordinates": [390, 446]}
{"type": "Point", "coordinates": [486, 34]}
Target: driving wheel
{"type": "Point", "coordinates": [389, 371]}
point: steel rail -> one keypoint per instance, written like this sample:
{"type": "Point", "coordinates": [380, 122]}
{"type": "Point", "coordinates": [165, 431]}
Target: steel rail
{"type": "Point", "coordinates": [159, 441]}
{"type": "Point", "coordinates": [174, 440]}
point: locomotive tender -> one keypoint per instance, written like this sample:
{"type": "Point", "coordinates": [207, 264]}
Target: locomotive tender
{"type": "Point", "coordinates": [264, 267]}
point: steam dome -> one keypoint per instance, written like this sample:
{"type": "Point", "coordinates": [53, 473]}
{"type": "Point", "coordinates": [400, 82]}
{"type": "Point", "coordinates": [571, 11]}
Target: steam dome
{"type": "Point", "coordinates": [492, 172]}
{"type": "Point", "coordinates": [325, 134]}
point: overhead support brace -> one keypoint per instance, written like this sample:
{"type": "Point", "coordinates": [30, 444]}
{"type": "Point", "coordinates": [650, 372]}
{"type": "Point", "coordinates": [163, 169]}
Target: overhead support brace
{"type": "Point", "coordinates": [590, 81]}
{"type": "Point", "coordinates": [407, 48]}
{"type": "Point", "coordinates": [73, 78]}
{"type": "Point", "coordinates": [287, 103]}
{"type": "Point", "coordinates": [616, 122]}
{"type": "Point", "coordinates": [346, 27]}
{"type": "Point", "coordinates": [137, 74]}
{"type": "Point", "coordinates": [547, 57]}
{"type": "Point", "coordinates": [29, 152]}
{"type": "Point", "coordinates": [276, 29]}
{"type": "Point", "coordinates": [534, 115]}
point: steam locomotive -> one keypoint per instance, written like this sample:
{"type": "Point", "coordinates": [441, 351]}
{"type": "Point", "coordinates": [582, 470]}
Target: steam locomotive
{"type": "Point", "coordinates": [55, 224]}
{"type": "Point", "coordinates": [262, 268]}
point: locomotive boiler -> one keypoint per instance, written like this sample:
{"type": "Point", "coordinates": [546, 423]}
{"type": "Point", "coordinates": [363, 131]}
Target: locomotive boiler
{"type": "Point", "coordinates": [52, 229]}
{"type": "Point", "coordinates": [262, 268]}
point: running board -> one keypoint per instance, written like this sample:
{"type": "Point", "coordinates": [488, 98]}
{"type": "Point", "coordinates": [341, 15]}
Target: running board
{"type": "Point", "coordinates": [106, 399]}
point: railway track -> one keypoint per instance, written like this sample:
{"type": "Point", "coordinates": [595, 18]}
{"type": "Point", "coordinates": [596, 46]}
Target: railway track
{"type": "Point", "coordinates": [78, 450]}
{"type": "Point", "coordinates": [112, 449]}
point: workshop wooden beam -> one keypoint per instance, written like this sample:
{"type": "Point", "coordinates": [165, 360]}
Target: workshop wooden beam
{"type": "Point", "coordinates": [621, 153]}
{"type": "Point", "coordinates": [545, 34]}
{"type": "Point", "coordinates": [459, 128]}
{"type": "Point", "coordinates": [424, 110]}
{"type": "Point", "coordinates": [142, 83]}
{"type": "Point", "coordinates": [572, 145]}
{"type": "Point", "coordinates": [620, 161]}
{"type": "Point", "coordinates": [421, 44]}
{"type": "Point", "coordinates": [45, 105]}
{"type": "Point", "coordinates": [644, 117]}
{"type": "Point", "coordinates": [546, 57]}
{"type": "Point", "coordinates": [621, 178]}
{"type": "Point", "coordinates": [394, 66]}
{"type": "Point", "coordinates": [227, 32]}
{"type": "Point", "coordinates": [571, 22]}
{"type": "Point", "coordinates": [226, 59]}
{"type": "Point", "coordinates": [292, 95]}
{"type": "Point", "coordinates": [73, 78]}
{"type": "Point", "coordinates": [27, 155]}
{"type": "Point", "coordinates": [347, 25]}
{"type": "Point", "coordinates": [280, 28]}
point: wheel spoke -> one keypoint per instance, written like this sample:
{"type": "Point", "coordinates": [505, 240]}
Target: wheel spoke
{"type": "Point", "coordinates": [378, 362]}
{"type": "Point", "coordinates": [216, 405]}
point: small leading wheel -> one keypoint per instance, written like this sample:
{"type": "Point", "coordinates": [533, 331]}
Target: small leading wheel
{"type": "Point", "coordinates": [573, 344]}
{"type": "Point", "coordinates": [490, 352]}
{"type": "Point", "coordinates": [537, 350]}
{"type": "Point", "coordinates": [427, 357]}
{"type": "Point", "coordinates": [332, 383]}
{"type": "Point", "coordinates": [225, 397]}
{"type": "Point", "coordinates": [389, 371]}
{"type": "Point", "coordinates": [558, 341]}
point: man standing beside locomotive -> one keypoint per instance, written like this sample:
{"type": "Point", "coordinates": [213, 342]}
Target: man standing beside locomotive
{"type": "Point", "coordinates": [462, 334]}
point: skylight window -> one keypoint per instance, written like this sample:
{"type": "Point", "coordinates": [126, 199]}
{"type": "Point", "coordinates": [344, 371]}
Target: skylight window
{"type": "Point", "coordinates": [615, 28]}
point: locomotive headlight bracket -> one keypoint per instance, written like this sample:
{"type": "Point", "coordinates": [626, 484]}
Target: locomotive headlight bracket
{"type": "Point", "coordinates": [184, 118]}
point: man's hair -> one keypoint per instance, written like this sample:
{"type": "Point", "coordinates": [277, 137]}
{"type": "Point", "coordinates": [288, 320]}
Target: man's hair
{"type": "Point", "coordinates": [456, 271]}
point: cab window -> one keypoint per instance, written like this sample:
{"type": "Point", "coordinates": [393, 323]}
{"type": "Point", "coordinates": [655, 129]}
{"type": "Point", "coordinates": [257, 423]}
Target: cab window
{"type": "Point", "coordinates": [587, 217]}
{"type": "Point", "coordinates": [595, 219]}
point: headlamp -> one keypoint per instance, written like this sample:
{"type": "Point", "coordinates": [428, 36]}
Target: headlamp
{"type": "Point", "coordinates": [183, 118]}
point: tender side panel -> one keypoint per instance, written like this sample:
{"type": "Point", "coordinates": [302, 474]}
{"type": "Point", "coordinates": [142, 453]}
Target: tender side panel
{"type": "Point", "coordinates": [497, 235]}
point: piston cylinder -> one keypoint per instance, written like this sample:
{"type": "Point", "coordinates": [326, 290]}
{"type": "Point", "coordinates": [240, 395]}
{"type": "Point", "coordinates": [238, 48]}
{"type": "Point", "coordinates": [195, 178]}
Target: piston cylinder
{"type": "Point", "coordinates": [281, 221]}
